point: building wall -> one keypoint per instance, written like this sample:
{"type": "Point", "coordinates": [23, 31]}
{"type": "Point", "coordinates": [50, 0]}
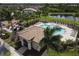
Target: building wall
{"type": "Point", "coordinates": [36, 46]}
{"type": "Point", "coordinates": [32, 44]}
{"type": "Point", "coordinates": [28, 42]}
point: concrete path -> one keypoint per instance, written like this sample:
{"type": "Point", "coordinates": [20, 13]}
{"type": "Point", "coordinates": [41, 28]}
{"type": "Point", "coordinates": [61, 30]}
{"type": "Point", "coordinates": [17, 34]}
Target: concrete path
{"type": "Point", "coordinates": [45, 53]}
{"type": "Point", "coordinates": [10, 48]}
{"type": "Point", "coordinates": [22, 50]}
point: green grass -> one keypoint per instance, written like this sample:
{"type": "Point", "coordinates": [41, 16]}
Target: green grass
{"type": "Point", "coordinates": [7, 53]}
{"type": "Point", "coordinates": [60, 20]}
{"type": "Point", "coordinates": [52, 52]}
{"type": "Point", "coordinates": [10, 42]}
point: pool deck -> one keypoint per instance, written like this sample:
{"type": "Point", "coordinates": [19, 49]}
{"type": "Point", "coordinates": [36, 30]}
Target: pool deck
{"type": "Point", "coordinates": [67, 34]}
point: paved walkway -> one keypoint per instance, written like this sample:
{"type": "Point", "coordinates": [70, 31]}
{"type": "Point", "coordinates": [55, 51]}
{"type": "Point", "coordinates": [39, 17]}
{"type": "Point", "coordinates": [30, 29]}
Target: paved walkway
{"type": "Point", "coordinates": [10, 48]}
{"type": "Point", "coordinates": [22, 50]}
{"type": "Point", "coordinates": [45, 53]}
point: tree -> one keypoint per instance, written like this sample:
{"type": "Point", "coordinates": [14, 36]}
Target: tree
{"type": "Point", "coordinates": [5, 14]}
{"type": "Point", "coordinates": [0, 29]}
{"type": "Point", "coordinates": [50, 39]}
{"type": "Point", "coordinates": [14, 34]}
{"type": "Point", "coordinates": [0, 25]}
{"type": "Point", "coordinates": [76, 42]}
{"type": "Point", "coordinates": [44, 10]}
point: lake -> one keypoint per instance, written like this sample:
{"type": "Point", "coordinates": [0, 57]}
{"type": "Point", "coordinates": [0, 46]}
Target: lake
{"type": "Point", "coordinates": [65, 17]}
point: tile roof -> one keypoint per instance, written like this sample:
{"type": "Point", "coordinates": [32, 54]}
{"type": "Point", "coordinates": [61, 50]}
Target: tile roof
{"type": "Point", "coordinates": [33, 32]}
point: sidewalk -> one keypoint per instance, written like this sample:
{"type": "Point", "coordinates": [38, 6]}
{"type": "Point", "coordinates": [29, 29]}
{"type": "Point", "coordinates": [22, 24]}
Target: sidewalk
{"type": "Point", "coordinates": [10, 48]}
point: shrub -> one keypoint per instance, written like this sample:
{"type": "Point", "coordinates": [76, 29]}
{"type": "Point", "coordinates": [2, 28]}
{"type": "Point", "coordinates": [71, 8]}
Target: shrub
{"type": "Point", "coordinates": [7, 53]}
{"type": "Point", "coordinates": [6, 35]}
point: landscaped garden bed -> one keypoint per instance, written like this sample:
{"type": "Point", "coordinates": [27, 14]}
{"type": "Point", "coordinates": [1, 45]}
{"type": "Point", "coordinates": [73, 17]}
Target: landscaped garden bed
{"type": "Point", "coordinates": [69, 49]}
{"type": "Point", "coordinates": [52, 52]}
{"type": "Point", "coordinates": [4, 34]}
{"type": "Point", "coordinates": [10, 42]}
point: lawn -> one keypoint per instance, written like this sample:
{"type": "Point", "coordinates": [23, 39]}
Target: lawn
{"type": "Point", "coordinates": [59, 20]}
{"type": "Point", "coordinates": [52, 52]}
{"type": "Point", "coordinates": [7, 53]}
{"type": "Point", "coordinates": [10, 42]}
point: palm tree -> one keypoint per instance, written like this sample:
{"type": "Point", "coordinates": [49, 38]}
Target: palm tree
{"type": "Point", "coordinates": [14, 34]}
{"type": "Point", "coordinates": [50, 39]}
{"type": "Point", "coordinates": [76, 42]}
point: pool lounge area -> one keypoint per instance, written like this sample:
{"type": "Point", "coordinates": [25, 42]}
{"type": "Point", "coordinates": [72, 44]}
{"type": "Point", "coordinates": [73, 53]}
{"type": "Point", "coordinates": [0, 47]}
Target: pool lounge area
{"type": "Point", "coordinates": [65, 31]}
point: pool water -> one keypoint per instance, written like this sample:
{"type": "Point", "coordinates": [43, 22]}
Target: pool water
{"type": "Point", "coordinates": [51, 26]}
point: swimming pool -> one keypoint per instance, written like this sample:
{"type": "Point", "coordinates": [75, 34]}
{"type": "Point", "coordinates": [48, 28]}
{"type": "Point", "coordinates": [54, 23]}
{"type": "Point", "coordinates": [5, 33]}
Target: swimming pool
{"type": "Point", "coordinates": [51, 26]}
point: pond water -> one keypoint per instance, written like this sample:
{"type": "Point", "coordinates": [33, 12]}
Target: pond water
{"type": "Point", "coordinates": [66, 17]}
